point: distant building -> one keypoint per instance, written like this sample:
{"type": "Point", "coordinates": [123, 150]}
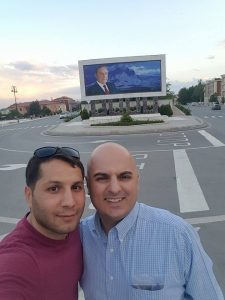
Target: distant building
{"type": "Point", "coordinates": [69, 102]}
{"type": "Point", "coordinates": [212, 87]}
{"type": "Point", "coordinates": [223, 86]}
{"type": "Point", "coordinates": [54, 107]}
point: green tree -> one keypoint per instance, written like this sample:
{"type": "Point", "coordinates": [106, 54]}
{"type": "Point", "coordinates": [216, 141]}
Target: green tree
{"type": "Point", "coordinates": [213, 98]}
{"type": "Point", "coordinates": [34, 108]}
{"type": "Point", "coordinates": [126, 118]}
{"type": "Point", "coordinates": [84, 114]}
{"type": "Point", "coordinates": [198, 93]}
{"type": "Point", "coordinates": [183, 96]}
{"type": "Point", "coordinates": [46, 111]}
{"type": "Point", "coordinates": [14, 114]}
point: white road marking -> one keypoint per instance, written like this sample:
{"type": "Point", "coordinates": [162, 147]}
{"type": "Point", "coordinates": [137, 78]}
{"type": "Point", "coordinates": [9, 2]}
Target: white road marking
{"type": "Point", "coordinates": [141, 166]}
{"type": "Point", "coordinates": [190, 195]}
{"type": "Point", "coordinates": [197, 228]}
{"type": "Point", "coordinates": [205, 220]}
{"type": "Point", "coordinates": [140, 156]}
{"type": "Point", "coordinates": [12, 167]}
{"type": "Point", "coordinates": [12, 150]}
{"type": "Point", "coordinates": [214, 141]}
{"type": "Point", "coordinates": [80, 143]}
{"type": "Point", "coordinates": [9, 220]}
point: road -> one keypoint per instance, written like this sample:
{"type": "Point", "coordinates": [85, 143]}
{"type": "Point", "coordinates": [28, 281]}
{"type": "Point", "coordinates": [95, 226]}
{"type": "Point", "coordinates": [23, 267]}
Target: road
{"type": "Point", "coordinates": [183, 172]}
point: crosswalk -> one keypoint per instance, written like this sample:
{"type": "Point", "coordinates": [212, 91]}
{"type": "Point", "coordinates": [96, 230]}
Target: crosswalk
{"type": "Point", "coordinates": [4, 129]}
{"type": "Point", "coordinates": [214, 117]}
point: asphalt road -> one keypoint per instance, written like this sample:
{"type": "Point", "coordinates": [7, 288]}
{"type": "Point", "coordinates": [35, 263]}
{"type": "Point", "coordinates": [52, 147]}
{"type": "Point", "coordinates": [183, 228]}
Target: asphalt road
{"type": "Point", "coordinates": [195, 158]}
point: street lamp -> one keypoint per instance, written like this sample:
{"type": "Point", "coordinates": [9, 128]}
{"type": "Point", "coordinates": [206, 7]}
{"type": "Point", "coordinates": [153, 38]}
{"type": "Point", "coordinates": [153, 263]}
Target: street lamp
{"type": "Point", "coordinates": [14, 91]}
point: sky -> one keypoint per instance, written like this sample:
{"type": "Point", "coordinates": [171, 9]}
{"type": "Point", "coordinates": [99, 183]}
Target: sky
{"type": "Point", "coordinates": [42, 41]}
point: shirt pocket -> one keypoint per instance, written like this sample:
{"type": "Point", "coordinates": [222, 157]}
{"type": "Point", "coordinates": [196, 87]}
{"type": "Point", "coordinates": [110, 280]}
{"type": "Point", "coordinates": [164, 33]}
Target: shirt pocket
{"type": "Point", "coordinates": [147, 282]}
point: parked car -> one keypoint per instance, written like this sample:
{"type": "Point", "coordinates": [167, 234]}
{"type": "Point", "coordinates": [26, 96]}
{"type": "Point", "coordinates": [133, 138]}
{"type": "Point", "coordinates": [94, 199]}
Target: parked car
{"type": "Point", "coordinates": [216, 106]}
{"type": "Point", "coordinates": [63, 115]}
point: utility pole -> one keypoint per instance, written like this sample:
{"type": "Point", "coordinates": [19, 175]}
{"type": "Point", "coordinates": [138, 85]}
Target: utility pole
{"type": "Point", "coordinates": [14, 91]}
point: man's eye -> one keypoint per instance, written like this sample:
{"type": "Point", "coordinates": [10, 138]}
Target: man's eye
{"type": "Point", "coordinates": [126, 176]}
{"type": "Point", "coordinates": [78, 187]}
{"type": "Point", "coordinates": [53, 189]}
{"type": "Point", "coordinates": [101, 178]}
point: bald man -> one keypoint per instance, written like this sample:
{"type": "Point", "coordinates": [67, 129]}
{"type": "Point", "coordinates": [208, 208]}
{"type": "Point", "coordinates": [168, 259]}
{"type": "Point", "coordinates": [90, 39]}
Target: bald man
{"type": "Point", "coordinates": [134, 251]}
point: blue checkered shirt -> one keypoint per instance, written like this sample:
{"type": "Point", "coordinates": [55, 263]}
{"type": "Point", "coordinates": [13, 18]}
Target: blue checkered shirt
{"type": "Point", "coordinates": [150, 254]}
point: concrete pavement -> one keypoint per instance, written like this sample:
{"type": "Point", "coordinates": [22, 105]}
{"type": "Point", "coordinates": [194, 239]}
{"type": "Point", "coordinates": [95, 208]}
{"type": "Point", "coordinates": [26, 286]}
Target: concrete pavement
{"type": "Point", "coordinates": [83, 128]}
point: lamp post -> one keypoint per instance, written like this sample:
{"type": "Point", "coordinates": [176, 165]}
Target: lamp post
{"type": "Point", "coordinates": [14, 91]}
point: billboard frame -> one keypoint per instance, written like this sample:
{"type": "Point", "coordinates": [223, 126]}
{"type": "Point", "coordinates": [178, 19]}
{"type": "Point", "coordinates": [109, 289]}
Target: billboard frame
{"type": "Point", "coordinates": [105, 61]}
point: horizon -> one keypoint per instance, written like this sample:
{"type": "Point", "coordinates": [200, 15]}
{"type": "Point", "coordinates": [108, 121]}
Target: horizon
{"type": "Point", "coordinates": [42, 43]}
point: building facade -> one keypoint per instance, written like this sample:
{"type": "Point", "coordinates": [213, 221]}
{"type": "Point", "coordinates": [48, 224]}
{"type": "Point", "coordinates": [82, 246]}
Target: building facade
{"type": "Point", "coordinates": [223, 87]}
{"type": "Point", "coordinates": [212, 87]}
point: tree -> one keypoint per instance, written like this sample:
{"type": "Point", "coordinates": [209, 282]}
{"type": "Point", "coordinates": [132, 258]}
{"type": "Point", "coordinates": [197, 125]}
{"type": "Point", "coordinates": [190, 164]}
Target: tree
{"type": "Point", "coordinates": [34, 108]}
{"type": "Point", "coordinates": [14, 114]}
{"type": "Point", "coordinates": [213, 98]}
{"type": "Point", "coordinates": [198, 93]}
{"type": "Point", "coordinates": [126, 118]}
{"type": "Point", "coordinates": [192, 94]}
{"type": "Point", "coordinates": [46, 111]}
{"type": "Point", "coordinates": [183, 96]}
{"type": "Point", "coordinates": [84, 114]}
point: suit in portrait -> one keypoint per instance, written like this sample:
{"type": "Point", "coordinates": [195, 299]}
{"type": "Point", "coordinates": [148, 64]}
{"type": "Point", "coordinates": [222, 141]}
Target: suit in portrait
{"type": "Point", "coordinates": [95, 89]}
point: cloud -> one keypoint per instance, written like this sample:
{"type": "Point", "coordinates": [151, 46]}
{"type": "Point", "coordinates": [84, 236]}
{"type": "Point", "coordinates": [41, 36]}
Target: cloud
{"type": "Point", "coordinates": [26, 68]}
{"type": "Point", "coordinates": [36, 81]}
{"type": "Point", "coordinates": [221, 43]}
{"type": "Point", "coordinates": [21, 66]}
{"type": "Point", "coordinates": [211, 57]}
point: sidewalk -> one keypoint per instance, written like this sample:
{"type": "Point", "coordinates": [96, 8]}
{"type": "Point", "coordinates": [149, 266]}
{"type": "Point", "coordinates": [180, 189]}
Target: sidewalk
{"type": "Point", "coordinates": [177, 123]}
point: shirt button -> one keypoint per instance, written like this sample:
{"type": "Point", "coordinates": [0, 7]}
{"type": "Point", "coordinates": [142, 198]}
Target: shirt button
{"type": "Point", "coordinates": [111, 277]}
{"type": "Point", "coordinates": [111, 249]}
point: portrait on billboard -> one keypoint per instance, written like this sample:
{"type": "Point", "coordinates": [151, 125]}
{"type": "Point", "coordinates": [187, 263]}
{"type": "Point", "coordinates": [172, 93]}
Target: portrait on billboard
{"type": "Point", "coordinates": [121, 78]}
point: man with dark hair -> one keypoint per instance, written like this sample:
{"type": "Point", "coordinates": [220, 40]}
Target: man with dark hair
{"type": "Point", "coordinates": [135, 251]}
{"type": "Point", "coordinates": [42, 257]}
{"type": "Point", "coordinates": [102, 86]}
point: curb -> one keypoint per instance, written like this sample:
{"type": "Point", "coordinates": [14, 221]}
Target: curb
{"type": "Point", "coordinates": [135, 129]}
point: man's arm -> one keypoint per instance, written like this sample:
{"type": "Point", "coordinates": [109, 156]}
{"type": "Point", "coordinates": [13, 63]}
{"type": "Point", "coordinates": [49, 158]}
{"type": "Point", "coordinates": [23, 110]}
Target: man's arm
{"type": "Point", "coordinates": [19, 277]}
{"type": "Point", "coordinates": [201, 283]}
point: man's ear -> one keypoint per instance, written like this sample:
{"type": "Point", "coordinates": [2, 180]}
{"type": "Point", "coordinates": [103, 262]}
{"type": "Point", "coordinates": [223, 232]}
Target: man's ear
{"type": "Point", "coordinates": [86, 178]}
{"type": "Point", "coordinates": [28, 195]}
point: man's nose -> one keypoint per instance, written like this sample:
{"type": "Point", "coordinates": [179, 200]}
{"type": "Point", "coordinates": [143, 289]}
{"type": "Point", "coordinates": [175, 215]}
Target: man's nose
{"type": "Point", "coordinates": [114, 185]}
{"type": "Point", "coordinates": [68, 198]}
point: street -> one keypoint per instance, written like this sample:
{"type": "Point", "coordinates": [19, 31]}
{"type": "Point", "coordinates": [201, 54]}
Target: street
{"type": "Point", "coordinates": [183, 172]}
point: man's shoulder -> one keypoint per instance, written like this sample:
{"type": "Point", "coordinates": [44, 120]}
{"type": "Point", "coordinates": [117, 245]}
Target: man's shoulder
{"type": "Point", "coordinates": [162, 217]}
{"type": "Point", "coordinates": [16, 260]}
{"type": "Point", "coordinates": [93, 87]}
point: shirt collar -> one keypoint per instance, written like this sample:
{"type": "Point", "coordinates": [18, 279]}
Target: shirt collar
{"type": "Point", "coordinates": [122, 227]}
{"type": "Point", "coordinates": [102, 85]}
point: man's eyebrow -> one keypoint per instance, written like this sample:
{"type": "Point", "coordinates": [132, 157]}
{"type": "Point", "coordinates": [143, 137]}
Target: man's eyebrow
{"type": "Point", "coordinates": [61, 182]}
{"type": "Point", "coordinates": [106, 174]}
{"type": "Point", "coordinates": [100, 174]}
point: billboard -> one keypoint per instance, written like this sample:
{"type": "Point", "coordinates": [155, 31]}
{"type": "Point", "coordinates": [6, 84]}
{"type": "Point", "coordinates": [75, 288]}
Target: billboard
{"type": "Point", "coordinates": [123, 77]}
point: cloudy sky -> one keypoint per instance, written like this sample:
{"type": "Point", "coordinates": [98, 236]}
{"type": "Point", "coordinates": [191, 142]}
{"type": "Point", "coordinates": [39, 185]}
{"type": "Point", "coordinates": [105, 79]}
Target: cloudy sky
{"type": "Point", "coordinates": [42, 41]}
